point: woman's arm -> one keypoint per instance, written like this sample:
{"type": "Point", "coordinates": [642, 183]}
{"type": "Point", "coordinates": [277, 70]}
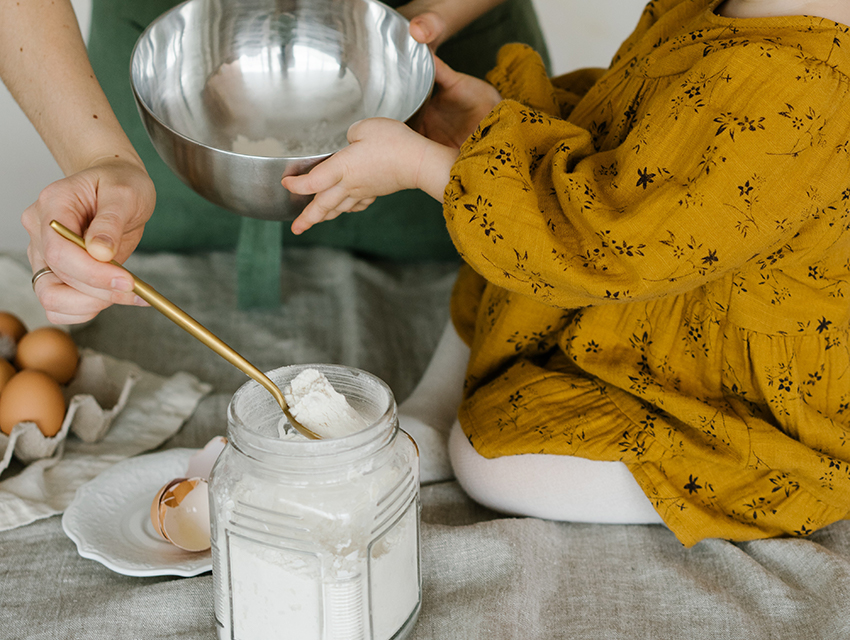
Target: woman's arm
{"type": "Point", "coordinates": [43, 62]}
{"type": "Point", "coordinates": [108, 195]}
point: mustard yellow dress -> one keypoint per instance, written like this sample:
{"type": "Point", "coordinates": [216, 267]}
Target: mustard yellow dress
{"type": "Point", "coordinates": [660, 268]}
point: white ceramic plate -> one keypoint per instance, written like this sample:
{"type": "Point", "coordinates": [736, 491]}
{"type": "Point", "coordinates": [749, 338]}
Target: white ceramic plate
{"type": "Point", "coordinates": [109, 519]}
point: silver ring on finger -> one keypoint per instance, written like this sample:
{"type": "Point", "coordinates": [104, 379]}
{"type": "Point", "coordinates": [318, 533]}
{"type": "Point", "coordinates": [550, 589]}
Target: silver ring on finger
{"type": "Point", "coordinates": [41, 272]}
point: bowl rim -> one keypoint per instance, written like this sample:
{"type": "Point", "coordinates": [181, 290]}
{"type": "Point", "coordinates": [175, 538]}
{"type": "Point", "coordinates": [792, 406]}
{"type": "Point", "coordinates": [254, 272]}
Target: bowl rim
{"type": "Point", "coordinates": [140, 102]}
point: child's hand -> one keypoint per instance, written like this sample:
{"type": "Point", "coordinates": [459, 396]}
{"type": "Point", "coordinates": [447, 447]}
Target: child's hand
{"type": "Point", "coordinates": [458, 104]}
{"type": "Point", "coordinates": [384, 156]}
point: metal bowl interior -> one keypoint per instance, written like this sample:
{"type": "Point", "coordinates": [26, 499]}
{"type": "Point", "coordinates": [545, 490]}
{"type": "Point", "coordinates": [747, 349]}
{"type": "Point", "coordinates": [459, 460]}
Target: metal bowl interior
{"type": "Point", "coordinates": [236, 93]}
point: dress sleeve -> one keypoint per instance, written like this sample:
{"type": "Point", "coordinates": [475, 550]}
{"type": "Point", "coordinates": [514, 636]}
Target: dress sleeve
{"type": "Point", "coordinates": [721, 166]}
{"type": "Point", "coordinates": [521, 75]}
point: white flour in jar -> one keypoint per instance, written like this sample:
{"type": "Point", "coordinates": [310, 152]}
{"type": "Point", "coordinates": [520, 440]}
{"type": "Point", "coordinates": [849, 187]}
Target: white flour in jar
{"type": "Point", "coordinates": [276, 589]}
{"type": "Point", "coordinates": [312, 561]}
{"type": "Point", "coordinates": [318, 406]}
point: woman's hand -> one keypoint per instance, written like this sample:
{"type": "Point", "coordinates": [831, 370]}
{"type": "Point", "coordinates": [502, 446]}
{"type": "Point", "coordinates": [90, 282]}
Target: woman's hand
{"type": "Point", "coordinates": [432, 22]}
{"type": "Point", "coordinates": [107, 195]}
{"type": "Point", "coordinates": [458, 104]}
{"type": "Point", "coordinates": [384, 156]}
{"type": "Point", "coordinates": [108, 204]}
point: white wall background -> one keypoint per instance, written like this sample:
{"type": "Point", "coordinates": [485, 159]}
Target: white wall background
{"type": "Point", "coordinates": [579, 33]}
{"type": "Point", "coordinates": [26, 167]}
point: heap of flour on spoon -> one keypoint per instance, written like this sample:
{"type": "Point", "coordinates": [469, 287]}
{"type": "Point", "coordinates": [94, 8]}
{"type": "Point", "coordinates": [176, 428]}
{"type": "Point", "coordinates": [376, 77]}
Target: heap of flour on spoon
{"type": "Point", "coordinates": [318, 406]}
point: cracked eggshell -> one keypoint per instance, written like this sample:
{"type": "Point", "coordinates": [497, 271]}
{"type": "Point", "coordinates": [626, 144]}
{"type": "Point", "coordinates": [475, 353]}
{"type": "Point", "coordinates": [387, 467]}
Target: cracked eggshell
{"type": "Point", "coordinates": [180, 510]}
{"type": "Point", "coordinates": [156, 505]}
{"type": "Point", "coordinates": [201, 462]}
{"type": "Point", "coordinates": [180, 513]}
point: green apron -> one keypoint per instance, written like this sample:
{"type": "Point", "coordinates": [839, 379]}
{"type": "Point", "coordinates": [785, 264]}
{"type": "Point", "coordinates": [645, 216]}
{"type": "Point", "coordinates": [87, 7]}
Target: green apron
{"type": "Point", "coordinates": [403, 226]}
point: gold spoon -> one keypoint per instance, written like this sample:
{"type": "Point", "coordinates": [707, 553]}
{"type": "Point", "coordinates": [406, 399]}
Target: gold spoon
{"type": "Point", "coordinates": [197, 330]}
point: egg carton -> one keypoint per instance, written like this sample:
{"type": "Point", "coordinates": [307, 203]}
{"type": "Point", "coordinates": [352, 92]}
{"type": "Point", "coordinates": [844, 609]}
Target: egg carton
{"type": "Point", "coordinates": [95, 396]}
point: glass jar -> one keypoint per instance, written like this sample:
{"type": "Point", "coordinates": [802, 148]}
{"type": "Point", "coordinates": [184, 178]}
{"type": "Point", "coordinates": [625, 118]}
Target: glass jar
{"type": "Point", "coordinates": [316, 539]}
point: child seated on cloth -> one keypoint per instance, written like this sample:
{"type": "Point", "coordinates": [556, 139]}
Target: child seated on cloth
{"type": "Point", "coordinates": [656, 294]}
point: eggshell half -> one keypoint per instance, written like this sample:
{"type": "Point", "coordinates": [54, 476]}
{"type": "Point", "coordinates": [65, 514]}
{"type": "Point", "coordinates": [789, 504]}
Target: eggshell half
{"type": "Point", "coordinates": [156, 521]}
{"type": "Point", "coordinates": [181, 513]}
{"type": "Point", "coordinates": [201, 462]}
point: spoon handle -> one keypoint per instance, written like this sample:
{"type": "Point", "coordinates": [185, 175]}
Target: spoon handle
{"type": "Point", "coordinates": [197, 330]}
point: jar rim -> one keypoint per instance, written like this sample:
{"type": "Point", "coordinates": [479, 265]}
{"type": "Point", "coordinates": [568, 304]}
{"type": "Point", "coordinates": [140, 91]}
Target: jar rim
{"type": "Point", "coordinates": [382, 428]}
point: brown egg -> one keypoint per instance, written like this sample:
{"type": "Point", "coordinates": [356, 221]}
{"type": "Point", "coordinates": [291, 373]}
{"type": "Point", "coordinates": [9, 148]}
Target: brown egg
{"type": "Point", "coordinates": [6, 372]}
{"type": "Point", "coordinates": [11, 330]}
{"type": "Point", "coordinates": [32, 396]}
{"type": "Point", "coordinates": [50, 350]}
{"type": "Point", "coordinates": [11, 325]}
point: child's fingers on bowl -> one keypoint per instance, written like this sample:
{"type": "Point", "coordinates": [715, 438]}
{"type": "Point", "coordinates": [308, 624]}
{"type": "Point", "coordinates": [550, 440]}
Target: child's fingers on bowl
{"type": "Point", "coordinates": [327, 205]}
{"type": "Point", "coordinates": [322, 177]}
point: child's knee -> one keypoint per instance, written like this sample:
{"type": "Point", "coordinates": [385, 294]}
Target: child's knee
{"type": "Point", "coordinates": [484, 480]}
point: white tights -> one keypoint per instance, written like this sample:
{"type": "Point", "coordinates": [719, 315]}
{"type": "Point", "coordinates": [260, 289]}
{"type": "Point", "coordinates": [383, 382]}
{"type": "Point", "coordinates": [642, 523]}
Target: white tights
{"type": "Point", "coordinates": [552, 487]}
{"type": "Point", "coordinates": [545, 486]}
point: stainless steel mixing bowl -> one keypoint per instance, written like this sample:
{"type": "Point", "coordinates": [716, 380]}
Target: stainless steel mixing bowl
{"type": "Point", "coordinates": [235, 94]}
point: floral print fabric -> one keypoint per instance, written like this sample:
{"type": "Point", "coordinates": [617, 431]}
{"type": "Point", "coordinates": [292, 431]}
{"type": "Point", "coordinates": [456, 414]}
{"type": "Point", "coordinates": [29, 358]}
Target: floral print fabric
{"type": "Point", "coordinates": [660, 267]}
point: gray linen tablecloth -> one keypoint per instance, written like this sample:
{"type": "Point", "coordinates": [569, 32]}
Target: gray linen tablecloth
{"type": "Point", "coordinates": [485, 576]}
